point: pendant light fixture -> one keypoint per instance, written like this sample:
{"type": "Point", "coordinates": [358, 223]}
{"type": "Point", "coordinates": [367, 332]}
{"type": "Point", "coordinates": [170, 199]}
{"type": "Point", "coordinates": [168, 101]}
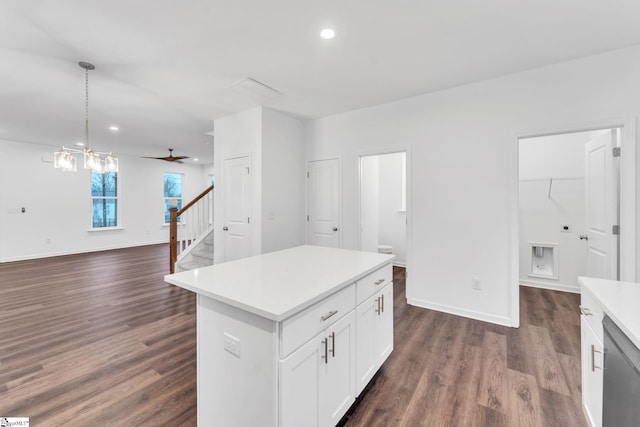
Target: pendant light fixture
{"type": "Point", "coordinates": [66, 160]}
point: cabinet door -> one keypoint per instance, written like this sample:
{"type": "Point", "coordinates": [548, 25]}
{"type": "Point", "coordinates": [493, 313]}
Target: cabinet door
{"type": "Point", "coordinates": [336, 378]}
{"type": "Point", "coordinates": [374, 319]}
{"type": "Point", "coordinates": [366, 320]}
{"type": "Point", "coordinates": [591, 373]}
{"type": "Point", "coordinates": [383, 334]}
{"type": "Point", "coordinates": [299, 386]}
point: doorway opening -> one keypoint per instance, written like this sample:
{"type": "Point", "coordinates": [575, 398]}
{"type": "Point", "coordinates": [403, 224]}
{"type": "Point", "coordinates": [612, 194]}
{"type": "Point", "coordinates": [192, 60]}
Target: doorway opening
{"type": "Point", "coordinates": [569, 210]}
{"type": "Point", "coordinates": [383, 204]}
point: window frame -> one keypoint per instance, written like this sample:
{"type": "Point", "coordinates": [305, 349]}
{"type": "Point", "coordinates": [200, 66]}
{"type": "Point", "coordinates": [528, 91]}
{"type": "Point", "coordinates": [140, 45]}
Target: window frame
{"type": "Point", "coordinates": [116, 198]}
{"type": "Point", "coordinates": [167, 220]}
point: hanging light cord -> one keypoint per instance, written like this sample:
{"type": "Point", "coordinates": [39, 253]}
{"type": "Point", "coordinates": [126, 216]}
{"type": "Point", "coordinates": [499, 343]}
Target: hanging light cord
{"type": "Point", "coordinates": [86, 107]}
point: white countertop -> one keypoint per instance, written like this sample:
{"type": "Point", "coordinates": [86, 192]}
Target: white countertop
{"type": "Point", "coordinates": [620, 301]}
{"type": "Point", "coordinates": [279, 284]}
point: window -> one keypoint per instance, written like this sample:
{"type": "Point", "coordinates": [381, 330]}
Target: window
{"type": "Point", "coordinates": [172, 193]}
{"type": "Point", "coordinates": [104, 199]}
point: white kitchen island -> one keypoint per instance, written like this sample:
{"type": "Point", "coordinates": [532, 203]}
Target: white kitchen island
{"type": "Point", "coordinates": [289, 338]}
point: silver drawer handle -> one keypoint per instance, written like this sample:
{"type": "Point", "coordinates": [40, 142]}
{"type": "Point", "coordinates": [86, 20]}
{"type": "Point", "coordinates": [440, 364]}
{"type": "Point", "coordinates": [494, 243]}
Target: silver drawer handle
{"type": "Point", "coordinates": [326, 349]}
{"type": "Point", "coordinates": [333, 344]}
{"type": "Point", "coordinates": [328, 315]}
{"type": "Point", "coordinates": [377, 282]}
{"type": "Point", "coordinates": [585, 311]}
{"type": "Point", "coordinates": [593, 358]}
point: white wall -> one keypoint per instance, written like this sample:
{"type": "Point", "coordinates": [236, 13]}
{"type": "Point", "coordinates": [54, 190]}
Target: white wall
{"type": "Point", "coordinates": [274, 143]}
{"type": "Point", "coordinates": [283, 182]}
{"type": "Point", "coordinates": [392, 221]}
{"type": "Point", "coordinates": [58, 204]}
{"type": "Point", "coordinates": [238, 135]}
{"type": "Point", "coordinates": [463, 169]}
{"type": "Point", "coordinates": [560, 157]}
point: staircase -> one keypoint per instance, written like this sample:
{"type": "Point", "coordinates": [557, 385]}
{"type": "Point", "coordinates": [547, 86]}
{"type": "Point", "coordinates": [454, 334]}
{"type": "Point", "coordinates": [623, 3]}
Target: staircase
{"type": "Point", "coordinates": [191, 234]}
{"type": "Point", "coordinates": [199, 254]}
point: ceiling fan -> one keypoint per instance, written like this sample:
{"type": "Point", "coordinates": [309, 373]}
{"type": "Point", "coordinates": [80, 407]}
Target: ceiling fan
{"type": "Point", "coordinates": [170, 157]}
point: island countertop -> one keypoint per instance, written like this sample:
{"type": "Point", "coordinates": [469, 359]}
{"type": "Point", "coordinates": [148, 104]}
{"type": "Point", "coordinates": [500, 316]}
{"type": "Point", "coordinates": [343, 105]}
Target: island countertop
{"type": "Point", "coordinates": [619, 300]}
{"type": "Point", "coordinates": [279, 284]}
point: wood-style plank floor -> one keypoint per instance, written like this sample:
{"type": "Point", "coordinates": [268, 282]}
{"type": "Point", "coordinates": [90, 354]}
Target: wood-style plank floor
{"type": "Point", "coordinates": [450, 371]}
{"type": "Point", "coordinates": [100, 339]}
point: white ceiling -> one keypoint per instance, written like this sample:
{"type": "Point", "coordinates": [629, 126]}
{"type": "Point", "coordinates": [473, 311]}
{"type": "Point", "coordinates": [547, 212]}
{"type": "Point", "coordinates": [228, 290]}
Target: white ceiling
{"type": "Point", "coordinates": [164, 68]}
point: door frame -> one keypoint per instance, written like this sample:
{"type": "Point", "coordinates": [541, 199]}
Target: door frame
{"type": "Point", "coordinates": [408, 190]}
{"type": "Point", "coordinates": [308, 192]}
{"type": "Point", "coordinates": [627, 200]}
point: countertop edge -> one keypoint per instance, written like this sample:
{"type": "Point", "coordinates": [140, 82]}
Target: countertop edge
{"type": "Point", "coordinates": [609, 311]}
{"type": "Point", "coordinates": [277, 317]}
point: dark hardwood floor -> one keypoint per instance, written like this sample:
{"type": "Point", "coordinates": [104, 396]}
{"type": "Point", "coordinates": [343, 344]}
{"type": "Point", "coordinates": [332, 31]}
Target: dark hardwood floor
{"type": "Point", "coordinates": [100, 339]}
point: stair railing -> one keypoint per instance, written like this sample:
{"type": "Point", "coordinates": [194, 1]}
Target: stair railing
{"type": "Point", "coordinates": [188, 224]}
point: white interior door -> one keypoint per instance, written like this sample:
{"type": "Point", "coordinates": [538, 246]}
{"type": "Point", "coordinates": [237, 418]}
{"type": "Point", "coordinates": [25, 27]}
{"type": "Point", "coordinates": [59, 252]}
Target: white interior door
{"type": "Point", "coordinates": [601, 206]}
{"type": "Point", "coordinates": [324, 203]}
{"type": "Point", "coordinates": [237, 208]}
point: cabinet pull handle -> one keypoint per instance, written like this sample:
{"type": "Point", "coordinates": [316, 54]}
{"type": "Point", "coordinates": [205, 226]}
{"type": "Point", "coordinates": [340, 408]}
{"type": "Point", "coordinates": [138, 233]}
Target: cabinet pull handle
{"type": "Point", "coordinates": [593, 358]}
{"type": "Point", "coordinates": [585, 311]}
{"type": "Point", "coordinates": [328, 315]}
{"type": "Point", "coordinates": [382, 297]}
{"type": "Point", "coordinates": [378, 309]}
{"type": "Point", "coordinates": [333, 344]}
{"type": "Point", "coordinates": [326, 349]}
{"type": "Point", "coordinates": [379, 281]}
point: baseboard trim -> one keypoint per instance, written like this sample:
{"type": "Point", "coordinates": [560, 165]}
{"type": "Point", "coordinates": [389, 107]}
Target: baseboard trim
{"type": "Point", "coordinates": [552, 286]}
{"type": "Point", "coordinates": [477, 315]}
{"type": "Point", "coordinates": [81, 251]}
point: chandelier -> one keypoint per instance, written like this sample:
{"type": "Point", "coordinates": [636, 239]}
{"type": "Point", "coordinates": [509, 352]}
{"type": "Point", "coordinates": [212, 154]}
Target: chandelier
{"type": "Point", "coordinates": [66, 160]}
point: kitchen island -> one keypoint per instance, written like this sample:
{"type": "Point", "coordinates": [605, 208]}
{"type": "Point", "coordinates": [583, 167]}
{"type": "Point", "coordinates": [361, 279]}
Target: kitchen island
{"type": "Point", "coordinates": [289, 338]}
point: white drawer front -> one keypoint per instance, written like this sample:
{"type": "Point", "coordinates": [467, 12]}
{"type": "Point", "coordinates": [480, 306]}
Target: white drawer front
{"type": "Point", "coordinates": [592, 312]}
{"type": "Point", "coordinates": [303, 326]}
{"type": "Point", "coordinates": [373, 282]}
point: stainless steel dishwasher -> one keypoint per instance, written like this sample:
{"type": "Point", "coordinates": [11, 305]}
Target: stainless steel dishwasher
{"type": "Point", "coordinates": [621, 389]}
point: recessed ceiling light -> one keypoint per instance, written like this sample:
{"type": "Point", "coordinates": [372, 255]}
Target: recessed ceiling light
{"type": "Point", "coordinates": [114, 128]}
{"type": "Point", "coordinates": [196, 159]}
{"type": "Point", "coordinates": [80, 144]}
{"type": "Point", "coordinates": [327, 33]}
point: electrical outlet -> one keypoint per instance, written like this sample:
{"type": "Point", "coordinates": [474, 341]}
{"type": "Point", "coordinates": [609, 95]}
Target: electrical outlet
{"type": "Point", "coordinates": [232, 344]}
{"type": "Point", "coordinates": [476, 283]}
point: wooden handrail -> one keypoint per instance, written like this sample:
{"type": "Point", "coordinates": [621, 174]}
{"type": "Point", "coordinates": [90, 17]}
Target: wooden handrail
{"type": "Point", "coordinates": [194, 201]}
{"type": "Point", "coordinates": [174, 213]}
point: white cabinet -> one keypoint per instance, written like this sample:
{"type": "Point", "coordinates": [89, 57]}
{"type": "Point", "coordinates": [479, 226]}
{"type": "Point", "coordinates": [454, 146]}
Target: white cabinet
{"type": "Point", "coordinates": [592, 359]}
{"type": "Point", "coordinates": [374, 334]}
{"type": "Point", "coordinates": [317, 382]}
{"type": "Point", "coordinates": [591, 374]}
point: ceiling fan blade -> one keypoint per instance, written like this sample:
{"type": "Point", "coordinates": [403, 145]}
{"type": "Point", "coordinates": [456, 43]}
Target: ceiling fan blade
{"type": "Point", "coordinates": [169, 158]}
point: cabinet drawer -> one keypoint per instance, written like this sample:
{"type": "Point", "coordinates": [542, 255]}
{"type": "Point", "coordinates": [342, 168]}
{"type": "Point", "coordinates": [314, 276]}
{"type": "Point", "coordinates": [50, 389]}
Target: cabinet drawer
{"type": "Point", "coordinates": [301, 327]}
{"type": "Point", "coordinates": [591, 312]}
{"type": "Point", "coordinates": [373, 282]}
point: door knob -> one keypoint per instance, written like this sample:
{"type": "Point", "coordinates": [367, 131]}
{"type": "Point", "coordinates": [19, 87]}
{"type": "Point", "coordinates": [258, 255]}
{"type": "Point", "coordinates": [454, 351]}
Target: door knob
{"type": "Point", "coordinates": [225, 228]}
{"type": "Point", "coordinates": [335, 228]}
{"type": "Point", "coordinates": [584, 237]}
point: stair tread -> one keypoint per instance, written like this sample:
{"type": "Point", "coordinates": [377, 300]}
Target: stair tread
{"type": "Point", "coordinates": [192, 265]}
{"type": "Point", "coordinates": [202, 253]}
